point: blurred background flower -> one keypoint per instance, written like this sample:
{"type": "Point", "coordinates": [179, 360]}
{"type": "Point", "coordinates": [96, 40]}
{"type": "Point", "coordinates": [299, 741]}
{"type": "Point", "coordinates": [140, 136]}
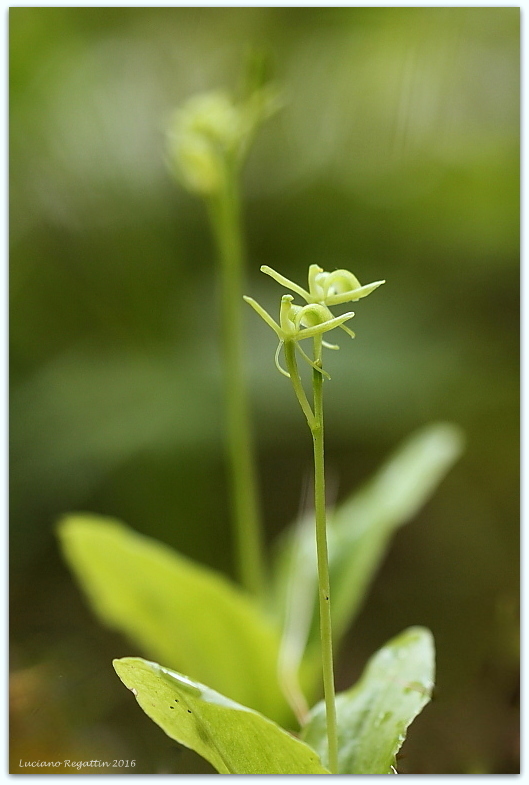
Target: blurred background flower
{"type": "Point", "coordinates": [396, 155]}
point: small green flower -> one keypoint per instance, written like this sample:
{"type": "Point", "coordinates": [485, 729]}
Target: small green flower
{"type": "Point", "coordinates": [297, 322]}
{"type": "Point", "coordinates": [335, 288]}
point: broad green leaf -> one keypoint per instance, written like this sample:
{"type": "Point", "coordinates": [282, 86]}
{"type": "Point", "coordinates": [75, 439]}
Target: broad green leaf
{"type": "Point", "coordinates": [176, 611]}
{"type": "Point", "coordinates": [363, 526]}
{"type": "Point", "coordinates": [359, 533]}
{"type": "Point", "coordinates": [374, 715]}
{"type": "Point", "coordinates": [233, 738]}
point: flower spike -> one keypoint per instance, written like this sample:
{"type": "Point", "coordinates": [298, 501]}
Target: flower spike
{"type": "Point", "coordinates": [297, 322]}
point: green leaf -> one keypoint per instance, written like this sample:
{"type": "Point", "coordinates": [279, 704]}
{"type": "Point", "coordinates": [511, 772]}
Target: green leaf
{"type": "Point", "coordinates": [359, 533]}
{"type": "Point", "coordinates": [176, 611]}
{"type": "Point", "coordinates": [374, 715]}
{"type": "Point", "coordinates": [233, 738]}
{"type": "Point", "coordinates": [363, 526]}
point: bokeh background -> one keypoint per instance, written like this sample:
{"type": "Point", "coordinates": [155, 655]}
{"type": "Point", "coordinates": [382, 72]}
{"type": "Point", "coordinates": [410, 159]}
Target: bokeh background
{"type": "Point", "coordinates": [397, 155]}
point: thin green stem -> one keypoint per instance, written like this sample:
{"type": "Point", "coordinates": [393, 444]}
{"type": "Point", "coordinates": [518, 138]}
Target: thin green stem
{"type": "Point", "coordinates": [315, 422]}
{"type": "Point", "coordinates": [323, 561]}
{"type": "Point", "coordinates": [292, 367]}
{"type": "Point", "coordinates": [224, 212]}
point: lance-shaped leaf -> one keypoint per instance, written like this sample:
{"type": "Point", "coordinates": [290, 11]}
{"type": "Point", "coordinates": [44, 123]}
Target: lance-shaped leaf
{"type": "Point", "coordinates": [233, 738]}
{"type": "Point", "coordinates": [359, 533]}
{"type": "Point", "coordinates": [374, 715]}
{"type": "Point", "coordinates": [364, 525]}
{"type": "Point", "coordinates": [176, 611]}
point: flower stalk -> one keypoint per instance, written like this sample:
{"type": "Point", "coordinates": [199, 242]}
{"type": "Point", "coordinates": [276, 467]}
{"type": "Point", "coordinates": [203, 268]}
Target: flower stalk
{"type": "Point", "coordinates": [295, 324]}
{"type": "Point", "coordinates": [224, 212]}
{"type": "Point", "coordinates": [207, 142]}
{"type": "Point", "coordinates": [315, 422]}
{"type": "Point", "coordinates": [324, 588]}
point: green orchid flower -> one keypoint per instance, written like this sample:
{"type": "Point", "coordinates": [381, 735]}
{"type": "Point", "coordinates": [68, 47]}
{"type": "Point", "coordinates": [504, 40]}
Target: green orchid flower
{"type": "Point", "coordinates": [325, 289]}
{"type": "Point", "coordinates": [335, 288]}
{"type": "Point", "coordinates": [297, 322]}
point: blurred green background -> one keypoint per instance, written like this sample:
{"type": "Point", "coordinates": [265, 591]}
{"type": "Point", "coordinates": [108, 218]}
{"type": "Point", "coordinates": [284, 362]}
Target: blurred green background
{"type": "Point", "coordinates": [396, 155]}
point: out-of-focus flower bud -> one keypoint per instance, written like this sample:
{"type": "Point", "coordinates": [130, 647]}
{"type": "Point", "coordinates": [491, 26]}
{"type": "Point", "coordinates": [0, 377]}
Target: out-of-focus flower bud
{"type": "Point", "coordinates": [209, 135]}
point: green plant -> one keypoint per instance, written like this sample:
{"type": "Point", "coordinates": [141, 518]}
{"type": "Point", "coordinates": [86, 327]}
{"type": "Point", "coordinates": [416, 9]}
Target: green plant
{"type": "Point", "coordinates": [208, 141]}
{"type": "Point", "coordinates": [257, 647]}
{"type": "Point", "coordinates": [298, 323]}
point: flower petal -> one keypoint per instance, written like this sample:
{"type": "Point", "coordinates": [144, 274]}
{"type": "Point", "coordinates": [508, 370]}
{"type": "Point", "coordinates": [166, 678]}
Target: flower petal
{"type": "Point", "coordinates": [286, 282]}
{"type": "Point", "coordinates": [264, 315]}
{"type": "Point", "coordinates": [353, 295]}
{"type": "Point", "coordinates": [310, 332]}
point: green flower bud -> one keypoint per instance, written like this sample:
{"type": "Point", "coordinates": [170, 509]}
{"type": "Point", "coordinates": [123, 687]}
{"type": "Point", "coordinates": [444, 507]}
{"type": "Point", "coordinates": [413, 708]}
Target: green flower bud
{"type": "Point", "coordinates": [210, 135]}
{"type": "Point", "coordinates": [202, 134]}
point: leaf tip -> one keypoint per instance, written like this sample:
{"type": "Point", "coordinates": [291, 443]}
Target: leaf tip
{"type": "Point", "coordinates": [450, 438]}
